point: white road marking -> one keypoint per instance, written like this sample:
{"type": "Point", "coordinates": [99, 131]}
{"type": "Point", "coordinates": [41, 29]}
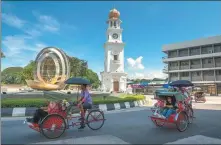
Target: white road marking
{"type": "Point", "coordinates": [101, 139]}
{"type": "Point", "coordinates": [18, 112]}
{"type": "Point", "coordinates": [127, 104]}
{"type": "Point", "coordinates": [103, 107]}
{"type": "Point", "coordinates": [117, 106]}
{"type": "Point", "coordinates": [197, 139]}
{"type": "Point", "coordinates": [135, 103]}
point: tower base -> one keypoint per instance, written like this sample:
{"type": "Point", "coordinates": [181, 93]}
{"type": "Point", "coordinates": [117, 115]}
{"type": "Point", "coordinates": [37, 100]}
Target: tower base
{"type": "Point", "coordinates": [113, 81]}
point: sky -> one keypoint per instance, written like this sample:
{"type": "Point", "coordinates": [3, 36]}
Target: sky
{"type": "Point", "coordinates": [79, 29]}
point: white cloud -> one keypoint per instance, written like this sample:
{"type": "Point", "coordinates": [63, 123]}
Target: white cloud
{"type": "Point", "coordinates": [155, 74]}
{"type": "Point", "coordinates": [46, 22]}
{"type": "Point", "coordinates": [20, 49]}
{"type": "Point", "coordinates": [49, 23]}
{"type": "Point", "coordinates": [150, 74]}
{"type": "Point", "coordinates": [135, 63]}
{"type": "Point", "coordinates": [16, 44]}
{"type": "Point", "coordinates": [12, 20]}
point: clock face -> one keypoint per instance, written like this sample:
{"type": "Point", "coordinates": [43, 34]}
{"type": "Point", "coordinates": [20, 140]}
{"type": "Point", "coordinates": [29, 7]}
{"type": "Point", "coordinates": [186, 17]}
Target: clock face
{"type": "Point", "coordinates": [115, 35]}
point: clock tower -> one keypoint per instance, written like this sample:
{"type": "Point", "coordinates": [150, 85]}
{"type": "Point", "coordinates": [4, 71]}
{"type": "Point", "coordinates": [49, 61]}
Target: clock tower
{"type": "Point", "coordinates": [113, 78]}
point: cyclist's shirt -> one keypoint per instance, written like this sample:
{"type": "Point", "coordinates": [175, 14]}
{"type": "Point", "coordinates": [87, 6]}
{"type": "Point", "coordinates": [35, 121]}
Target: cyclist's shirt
{"type": "Point", "coordinates": [87, 97]}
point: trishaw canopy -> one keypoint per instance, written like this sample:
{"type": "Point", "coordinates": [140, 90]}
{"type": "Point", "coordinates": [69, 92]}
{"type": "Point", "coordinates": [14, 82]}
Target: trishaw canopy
{"type": "Point", "coordinates": [179, 96]}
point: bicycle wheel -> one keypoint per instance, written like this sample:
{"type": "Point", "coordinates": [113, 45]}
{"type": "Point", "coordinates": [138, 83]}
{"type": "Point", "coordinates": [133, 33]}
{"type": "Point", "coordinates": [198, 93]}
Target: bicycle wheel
{"type": "Point", "coordinates": [95, 116]}
{"type": "Point", "coordinates": [182, 121]}
{"type": "Point", "coordinates": [53, 126]}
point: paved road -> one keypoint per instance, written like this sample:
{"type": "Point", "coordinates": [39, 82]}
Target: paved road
{"type": "Point", "coordinates": [131, 126]}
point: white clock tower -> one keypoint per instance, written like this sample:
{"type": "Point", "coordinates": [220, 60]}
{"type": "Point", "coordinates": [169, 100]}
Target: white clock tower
{"type": "Point", "coordinates": [114, 79]}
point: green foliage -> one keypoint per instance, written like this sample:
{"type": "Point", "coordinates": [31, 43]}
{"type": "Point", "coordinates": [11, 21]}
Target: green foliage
{"type": "Point", "coordinates": [12, 75]}
{"type": "Point", "coordinates": [28, 71]}
{"type": "Point", "coordinates": [39, 102]}
{"type": "Point", "coordinates": [93, 77]}
{"type": "Point", "coordinates": [78, 68]}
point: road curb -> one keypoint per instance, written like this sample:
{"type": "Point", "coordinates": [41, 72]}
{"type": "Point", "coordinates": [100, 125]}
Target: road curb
{"type": "Point", "coordinates": [22, 111]}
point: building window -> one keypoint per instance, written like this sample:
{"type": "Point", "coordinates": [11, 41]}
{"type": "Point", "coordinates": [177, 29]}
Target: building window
{"type": "Point", "coordinates": [172, 54]}
{"type": "Point", "coordinates": [174, 74]}
{"type": "Point", "coordinates": [184, 74]}
{"type": "Point", "coordinates": [207, 61]}
{"type": "Point", "coordinates": [197, 73]}
{"type": "Point", "coordinates": [184, 63]}
{"type": "Point", "coordinates": [208, 73]}
{"type": "Point", "coordinates": [183, 52]}
{"type": "Point", "coordinates": [207, 49]}
{"type": "Point", "coordinates": [173, 64]}
{"type": "Point", "coordinates": [111, 23]}
{"type": "Point", "coordinates": [218, 60]}
{"type": "Point", "coordinates": [195, 62]}
{"type": "Point", "coordinates": [217, 48]}
{"type": "Point", "coordinates": [195, 51]}
{"type": "Point", "coordinates": [115, 57]}
{"type": "Point", "coordinates": [218, 72]}
{"type": "Point", "coordinates": [115, 24]}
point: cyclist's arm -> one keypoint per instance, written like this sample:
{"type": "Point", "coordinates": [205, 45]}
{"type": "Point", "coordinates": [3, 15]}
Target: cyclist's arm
{"type": "Point", "coordinates": [82, 98]}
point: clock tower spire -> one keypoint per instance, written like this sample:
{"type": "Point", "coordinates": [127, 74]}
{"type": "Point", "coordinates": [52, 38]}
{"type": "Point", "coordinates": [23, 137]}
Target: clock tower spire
{"type": "Point", "coordinates": [113, 77]}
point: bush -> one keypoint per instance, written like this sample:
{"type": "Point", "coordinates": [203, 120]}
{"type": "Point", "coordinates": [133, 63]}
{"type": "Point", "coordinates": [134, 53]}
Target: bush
{"type": "Point", "coordinates": [40, 102]}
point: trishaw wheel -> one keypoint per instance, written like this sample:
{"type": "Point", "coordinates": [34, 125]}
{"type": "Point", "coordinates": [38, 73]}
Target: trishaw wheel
{"type": "Point", "coordinates": [159, 123]}
{"type": "Point", "coordinates": [182, 121]}
{"type": "Point", "coordinates": [190, 115]}
{"type": "Point", "coordinates": [95, 116]}
{"type": "Point", "coordinates": [53, 126]}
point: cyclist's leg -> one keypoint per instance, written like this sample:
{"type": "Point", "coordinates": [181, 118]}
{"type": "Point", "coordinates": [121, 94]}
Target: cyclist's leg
{"type": "Point", "coordinates": [84, 106]}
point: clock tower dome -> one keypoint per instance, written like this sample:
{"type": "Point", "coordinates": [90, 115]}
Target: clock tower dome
{"type": "Point", "coordinates": [113, 77]}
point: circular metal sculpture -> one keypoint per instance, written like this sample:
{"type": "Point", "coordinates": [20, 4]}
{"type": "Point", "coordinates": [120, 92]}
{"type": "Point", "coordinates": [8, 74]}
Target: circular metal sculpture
{"type": "Point", "coordinates": [52, 69]}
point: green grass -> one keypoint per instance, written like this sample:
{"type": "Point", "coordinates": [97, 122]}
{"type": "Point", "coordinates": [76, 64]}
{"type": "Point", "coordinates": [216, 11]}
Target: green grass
{"type": "Point", "coordinates": [40, 102]}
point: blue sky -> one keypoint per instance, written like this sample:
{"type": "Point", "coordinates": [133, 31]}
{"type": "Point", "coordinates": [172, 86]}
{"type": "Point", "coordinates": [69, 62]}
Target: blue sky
{"type": "Point", "coordinates": [79, 29]}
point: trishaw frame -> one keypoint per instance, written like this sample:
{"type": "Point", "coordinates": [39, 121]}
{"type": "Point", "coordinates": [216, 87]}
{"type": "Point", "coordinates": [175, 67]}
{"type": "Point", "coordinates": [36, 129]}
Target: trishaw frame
{"type": "Point", "coordinates": [63, 114]}
{"type": "Point", "coordinates": [183, 108]}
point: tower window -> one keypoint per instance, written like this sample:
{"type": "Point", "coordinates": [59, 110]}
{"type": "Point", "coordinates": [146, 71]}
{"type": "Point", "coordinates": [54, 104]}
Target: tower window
{"type": "Point", "coordinates": [115, 24]}
{"type": "Point", "coordinates": [111, 23]}
{"type": "Point", "coordinates": [115, 57]}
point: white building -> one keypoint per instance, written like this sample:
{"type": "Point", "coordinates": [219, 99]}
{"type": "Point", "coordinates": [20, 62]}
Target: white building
{"type": "Point", "coordinates": [198, 61]}
{"type": "Point", "coordinates": [113, 77]}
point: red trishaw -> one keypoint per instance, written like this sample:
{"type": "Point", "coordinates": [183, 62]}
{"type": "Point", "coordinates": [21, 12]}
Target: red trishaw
{"type": "Point", "coordinates": [55, 123]}
{"type": "Point", "coordinates": [183, 115]}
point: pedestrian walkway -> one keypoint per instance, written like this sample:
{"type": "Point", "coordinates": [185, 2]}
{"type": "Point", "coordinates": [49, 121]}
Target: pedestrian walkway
{"type": "Point", "coordinates": [197, 139]}
{"type": "Point", "coordinates": [101, 139]}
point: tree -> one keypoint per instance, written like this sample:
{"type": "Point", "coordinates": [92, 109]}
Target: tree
{"type": "Point", "coordinates": [28, 71]}
{"type": "Point", "coordinates": [12, 75]}
{"type": "Point", "coordinates": [93, 78]}
{"type": "Point", "coordinates": [79, 68]}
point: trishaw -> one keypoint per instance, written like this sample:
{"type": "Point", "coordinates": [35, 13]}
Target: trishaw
{"type": "Point", "coordinates": [183, 116]}
{"type": "Point", "coordinates": [199, 96]}
{"type": "Point", "coordinates": [55, 124]}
